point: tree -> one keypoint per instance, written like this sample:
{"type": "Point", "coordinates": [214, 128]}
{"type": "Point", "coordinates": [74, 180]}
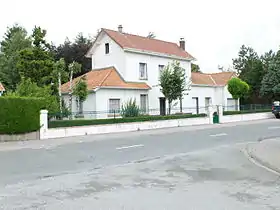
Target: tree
{"type": "Point", "coordinates": [181, 85]}
{"type": "Point", "coordinates": [74, 68]}
{"type": "Point", "coordinates": [270, 84]}
{"type": "Point", "coordinates": [237, 88]}
{"type": "Point", "coordinates": [14, 40]}
{"type": "Point", "coordinates": [61, 75]}
{"type": "Point", "coordinates": [81, 92]}
{"type": "Point", "coordinates": [27, 88]}
{"type": "Point", "coordinates": [195, 68]}
{"type": "Point", "coordinates": [75, 51]}
{"type": "Point", "coordinates": [173, 83]}
{"type": "Point", "coordinates": [251, 70]}
{"type": "Point", "coordinates": [37, 62]}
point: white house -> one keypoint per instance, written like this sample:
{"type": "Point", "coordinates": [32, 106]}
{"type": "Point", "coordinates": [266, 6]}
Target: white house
{"type": "Point", "coordinates": [128, 66]}
{"type": "Point", "coordinates": [2, 89]}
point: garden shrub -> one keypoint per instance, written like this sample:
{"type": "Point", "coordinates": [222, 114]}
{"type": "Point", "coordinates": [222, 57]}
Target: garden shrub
{"type": "Point", "coordinates": [20, 114]}
{"type": "Point", "coordinates": [130, 109]}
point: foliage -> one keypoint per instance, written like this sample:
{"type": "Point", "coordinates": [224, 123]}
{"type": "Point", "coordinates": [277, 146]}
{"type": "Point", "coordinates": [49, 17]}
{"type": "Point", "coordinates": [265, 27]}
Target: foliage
{"type": "Point", "coordinates": [246, 111]}
{"type": "Point", "coordinates": [172, 82]}
{"type": "Point", "coordinates": [27, 88]}
{"type": "Point", "coordinates": [14, 40]}
{"type": "Point", "coordinates": [75, 51]}
{"type": "Point", "coordinates": [130, 109]}
{"type": "Point", "coordinates": [80, 90]}
{"type": "Point", "coordinates": [238, 88]}
{"type": "Point", "coordinates": [250, 68]}
{"type": "Point", "coordinates": [37, 62]}
{"type": "Point", "coordinates": [271, 81]}
{"type": "Point", "coordinates": [23, 117]}
{"type": "Point", "coordinates": [70, 123]}
{"type": "Point", "coordinates": [195, 68]}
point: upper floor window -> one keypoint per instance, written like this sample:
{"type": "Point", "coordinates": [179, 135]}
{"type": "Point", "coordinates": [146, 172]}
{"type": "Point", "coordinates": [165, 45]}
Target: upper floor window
{"type": "Point", "coordinates": [160, 68]}
{"type": "Point", "coordinates": [143, 71]}
{"type": "Point", "coordinates": [107, 48]}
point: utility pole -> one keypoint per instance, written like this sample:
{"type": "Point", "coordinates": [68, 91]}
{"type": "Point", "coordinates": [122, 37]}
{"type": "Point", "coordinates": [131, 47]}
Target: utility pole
{"type": "Point", "coordinates": [70, 93]}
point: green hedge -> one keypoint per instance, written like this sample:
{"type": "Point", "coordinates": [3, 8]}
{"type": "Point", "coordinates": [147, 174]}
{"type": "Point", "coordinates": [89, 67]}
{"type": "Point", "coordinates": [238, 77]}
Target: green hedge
{"type": "Point", "coordinates": [246, 111]}
{"type": "Point", "coordinates": [70, 123]}
{"type": "Point", "coordinates": [20, 115]}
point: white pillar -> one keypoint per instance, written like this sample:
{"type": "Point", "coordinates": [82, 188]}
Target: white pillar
{"type": "Point", "coordinates": [210, 114]}
{"type": "Point", "coordinates": [220, 111]}
{"type": "Point", "coordinates": [43, 122]}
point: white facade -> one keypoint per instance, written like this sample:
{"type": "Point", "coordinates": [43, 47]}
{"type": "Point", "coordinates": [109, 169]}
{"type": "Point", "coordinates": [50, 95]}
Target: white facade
{"type": "Point", "coordinates": [106, 52]}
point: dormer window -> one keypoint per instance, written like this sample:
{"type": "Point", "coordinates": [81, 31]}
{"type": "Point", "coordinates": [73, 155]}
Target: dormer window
{"type": "Point", "coordinates": [107, 48]}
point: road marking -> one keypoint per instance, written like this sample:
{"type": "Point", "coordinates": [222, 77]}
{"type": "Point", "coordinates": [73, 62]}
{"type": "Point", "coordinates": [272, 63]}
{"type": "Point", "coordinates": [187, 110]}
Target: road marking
{"type": "Point", "coordinates": [273, 127]}
{"type": "Point", "coordinates": [218, 134]}
{"type": "Point", "coordinates": [132, 146]}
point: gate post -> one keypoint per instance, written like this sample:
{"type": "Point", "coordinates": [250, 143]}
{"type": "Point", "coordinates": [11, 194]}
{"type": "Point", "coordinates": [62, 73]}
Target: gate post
{"type": "Point", "coordinates": [210, 114]}
{"type": "Point", "coordinates": [43, 122]}
{"type": "Point", "coordinates": [220, 112]}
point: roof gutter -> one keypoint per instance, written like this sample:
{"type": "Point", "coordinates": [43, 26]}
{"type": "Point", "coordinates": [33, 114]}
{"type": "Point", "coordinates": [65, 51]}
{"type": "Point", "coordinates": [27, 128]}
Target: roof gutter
{"type": "Point", "coordinates": [202, 85]}
{"type": "Point", "coordinates": [145, 52]}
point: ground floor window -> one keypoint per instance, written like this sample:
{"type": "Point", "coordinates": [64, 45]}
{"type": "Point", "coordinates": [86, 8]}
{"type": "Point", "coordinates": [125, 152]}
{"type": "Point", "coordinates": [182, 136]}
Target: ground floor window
{"type": "Point", "coordinates": [144, 103]}
{"type": "Point", "coordinates": [114, 105]}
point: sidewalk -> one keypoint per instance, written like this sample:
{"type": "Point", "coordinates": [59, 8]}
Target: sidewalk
{"type": "Point", "coordinates": [267, 153]}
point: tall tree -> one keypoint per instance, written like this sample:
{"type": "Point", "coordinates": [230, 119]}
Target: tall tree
{"type": "Point", "coordinates": [37, 62]}
{"type": "Point", "coordinates": [75, 52]}
{"type": "Point", "coordinates": [173, 83]}
{"type": "Point", "coordinates": [14, 40]}
{"type": "Point", "coordinates": [195, 68]}
{"type": "Point", "coordinates": [271, 81]}
{"type": "Point", "coordinates": [251, 70]}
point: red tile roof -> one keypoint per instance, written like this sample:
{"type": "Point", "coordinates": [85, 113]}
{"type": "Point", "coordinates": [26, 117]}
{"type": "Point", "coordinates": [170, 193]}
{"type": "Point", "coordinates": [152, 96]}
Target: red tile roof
{"type": "Point", "coordinates": [106, 77]}
{"type": "Point", "coordinates": [131, 41]}
{"type": "Point", "coordinates": [2, 87]}
{"type": "Point", "coordinates": [215, 79]}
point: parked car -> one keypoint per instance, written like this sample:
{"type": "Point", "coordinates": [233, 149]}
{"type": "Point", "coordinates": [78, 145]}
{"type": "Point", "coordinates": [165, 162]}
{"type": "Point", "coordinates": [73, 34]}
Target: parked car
{"type": "Point", "coordinates": [276, 109]}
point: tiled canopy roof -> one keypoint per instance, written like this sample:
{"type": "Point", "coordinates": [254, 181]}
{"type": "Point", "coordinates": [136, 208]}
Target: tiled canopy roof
{"type": "Point", "coordinates": [105, 78]}
{"type": "Point", "coordinates": [215, 79]}
{"type": "Point", "coordinates": [131, 41]}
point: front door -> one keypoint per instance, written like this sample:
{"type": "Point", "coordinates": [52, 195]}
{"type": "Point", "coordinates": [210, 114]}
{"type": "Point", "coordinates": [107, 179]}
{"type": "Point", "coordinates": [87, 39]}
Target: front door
{"type": "Point", "coordinates": [162, 106]}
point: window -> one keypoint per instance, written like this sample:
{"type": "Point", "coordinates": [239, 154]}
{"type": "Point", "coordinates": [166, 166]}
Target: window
{"type": "Point", "coordinates": [107, 48]}
{"type": "Point", "coordinates": [144, 103]}
{"type": "Point", "coordinates": [114, 105]}
{"type": "Point", "coordinates": [143, 71]}
{"type": "Point", "coordinates": [160, 68]}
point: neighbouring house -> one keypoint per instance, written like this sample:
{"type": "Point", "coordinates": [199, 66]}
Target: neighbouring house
{"type": "Point", "coordinates": [2, 89]}
{"type": "Point", "coordinates": [126, 66]}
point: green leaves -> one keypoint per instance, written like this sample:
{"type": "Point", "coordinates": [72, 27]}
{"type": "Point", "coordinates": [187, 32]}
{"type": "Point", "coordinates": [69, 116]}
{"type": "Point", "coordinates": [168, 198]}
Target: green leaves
{"type": "Point", "coordinates": [238, 88]}
{"type": "Point", "coordinates": [130, 109]}
{"type": "Point", "coordinates": [15, 40]}
{"type": "Point", "coordinates": [270, 84]}
{"type": "Point", "coordinates": [173, 82]}
{"type": "Point", "coordinates": [27, 88]}
{"type": "Point", "coordinates": [80, 89]}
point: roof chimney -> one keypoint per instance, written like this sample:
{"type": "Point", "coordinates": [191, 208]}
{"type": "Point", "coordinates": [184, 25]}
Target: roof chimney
{"type": "Point", "coordinates": [120, 28]}
{"type": "Point", "coordinates": [182, 43]}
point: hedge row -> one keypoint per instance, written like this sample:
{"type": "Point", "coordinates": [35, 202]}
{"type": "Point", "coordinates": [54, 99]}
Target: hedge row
{"type": "Point", "coordinates": [246, 111]}
{"type": "Point", "coordinates": [70, 123]}
{"type": "Point", "coordinates": [20, 115]}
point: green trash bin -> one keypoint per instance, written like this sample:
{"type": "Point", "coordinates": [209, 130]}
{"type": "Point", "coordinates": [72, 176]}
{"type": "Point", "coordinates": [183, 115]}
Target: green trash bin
{"type": "Point", "coordinates": [215, 118]}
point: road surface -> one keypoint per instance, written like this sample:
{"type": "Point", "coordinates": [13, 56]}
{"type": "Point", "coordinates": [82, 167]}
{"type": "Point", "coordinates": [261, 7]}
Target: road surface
{"type": "Point", "coordinates": [200, 167]}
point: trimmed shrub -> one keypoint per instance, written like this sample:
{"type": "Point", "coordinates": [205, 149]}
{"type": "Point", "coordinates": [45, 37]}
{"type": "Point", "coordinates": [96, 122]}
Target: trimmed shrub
{"type": "Point", "coordinates": [20, 115]}
{"type": "Point", "coordinates": [246, 111]}
{"type": "Point", "coordinates": [130, 109]}
{"type": "Point", "coordinates": [70, 123]}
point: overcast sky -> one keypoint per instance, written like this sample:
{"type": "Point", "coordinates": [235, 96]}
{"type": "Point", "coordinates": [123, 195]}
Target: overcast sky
{"type": "Point", "coordinates": [214, 30]}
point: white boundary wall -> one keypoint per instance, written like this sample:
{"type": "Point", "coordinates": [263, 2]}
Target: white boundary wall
{"type": "Point", "coordinates": [46, 133]}
{"type": "Point", "coordinates": [120, 127]}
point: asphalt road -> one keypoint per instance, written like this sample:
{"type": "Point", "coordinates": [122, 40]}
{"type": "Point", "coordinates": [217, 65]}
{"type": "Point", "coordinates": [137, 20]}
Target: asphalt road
{"type": "Point", "coordinates": [201, 167]}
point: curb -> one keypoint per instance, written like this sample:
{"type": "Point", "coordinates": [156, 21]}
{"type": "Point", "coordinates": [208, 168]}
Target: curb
{"type": "Point", "coordinates": [260, 162]}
